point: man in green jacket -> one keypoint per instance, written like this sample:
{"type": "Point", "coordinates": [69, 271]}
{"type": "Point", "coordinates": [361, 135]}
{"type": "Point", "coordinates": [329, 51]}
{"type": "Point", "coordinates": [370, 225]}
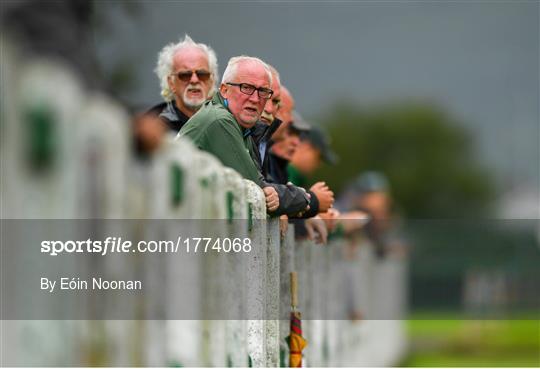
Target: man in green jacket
{"type": "Point", "coordinates": [223, 127]}
{"type": "Point", "coordinates": [214, 130]}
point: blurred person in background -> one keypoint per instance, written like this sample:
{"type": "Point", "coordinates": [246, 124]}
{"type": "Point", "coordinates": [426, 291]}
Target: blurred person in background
{"type": "Point", "coordinates": [282, 152]}
{"type": "Point", "coordinates": [306, 157]}
{"type": "Point", "coordinates": [287, 141]}
{"type": "Point", "coordinates": [187, 73]}
{"type": "Point", "coordinates": [370, 193]}
{"type": "Point", "coordinates": [285, 146]}
{"type": "Point", "coordinates": [272, 106]}
{"type": "Point", "coordinates": [148, 132]}
{"type": "Point", "coordinates": [313, 149]}
{"type": "Point", "coordinates": [284, 113]}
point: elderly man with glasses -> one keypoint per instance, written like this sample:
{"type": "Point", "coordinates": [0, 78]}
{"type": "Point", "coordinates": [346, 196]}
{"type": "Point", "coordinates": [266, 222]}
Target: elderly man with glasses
{"type": "Point", "coordinates": [187, 72]}
{"type": "Point", "coordinates": [223, 127]}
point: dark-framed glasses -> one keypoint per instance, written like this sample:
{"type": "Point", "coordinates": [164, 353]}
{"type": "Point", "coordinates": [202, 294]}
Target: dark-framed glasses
{"type": "Point", "coordinates": [246, 88]}
{"type": "Point", "coordinates": [185, 75]}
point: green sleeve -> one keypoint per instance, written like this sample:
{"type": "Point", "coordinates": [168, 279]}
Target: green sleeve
{"type": "Point", "coordinates": [225, 141]}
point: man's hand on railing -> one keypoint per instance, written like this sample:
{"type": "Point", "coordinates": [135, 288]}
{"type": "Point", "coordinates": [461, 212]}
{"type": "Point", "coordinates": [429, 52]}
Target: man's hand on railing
{"type": "Point", "coordinates": [316, 229]}
{"type": "Point", "coordinates": [272, 199]}
{"type": "Point", "coordinates": [324, 195]}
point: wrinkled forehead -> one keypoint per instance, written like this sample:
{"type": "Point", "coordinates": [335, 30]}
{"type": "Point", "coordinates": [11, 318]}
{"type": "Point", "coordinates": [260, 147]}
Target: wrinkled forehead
{"type": "Point", "coordinates": [190, 58]}
{"type": "Point", "coordinates": [253, 73]}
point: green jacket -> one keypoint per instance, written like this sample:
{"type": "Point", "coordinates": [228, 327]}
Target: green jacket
{"type": "Point", "coordinates": [214, 129]}
{"type": "Point", "coordinates": [296, 177]}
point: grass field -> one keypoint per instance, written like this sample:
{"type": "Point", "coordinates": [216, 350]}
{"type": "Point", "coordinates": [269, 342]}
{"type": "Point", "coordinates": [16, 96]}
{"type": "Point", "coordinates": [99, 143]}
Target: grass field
{"type": "Point", "coordinates": [440, 341]}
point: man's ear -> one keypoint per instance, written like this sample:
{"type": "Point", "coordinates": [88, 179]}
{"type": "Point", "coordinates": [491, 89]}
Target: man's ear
{"type": "Point", "coordinates": [224, 90]}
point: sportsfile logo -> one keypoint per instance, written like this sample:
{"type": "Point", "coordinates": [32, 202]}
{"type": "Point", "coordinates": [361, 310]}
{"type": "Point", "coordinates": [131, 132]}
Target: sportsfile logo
{"type": "Point", "coordinates": [113, 245]}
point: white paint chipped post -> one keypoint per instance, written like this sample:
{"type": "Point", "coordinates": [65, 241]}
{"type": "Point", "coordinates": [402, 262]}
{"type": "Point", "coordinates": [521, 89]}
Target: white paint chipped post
{"type": "Point", "coordinates": [272, 292]}
{"type": "Point", "coordinates": [319, 292]}
{"type": "Point", "coordinates": [214, 273]}
{"type": "Point", "coordinates": [256, 278]}
{"type": "Point", "coordinates": [180, 197]}
{"type": "Point", "coordinates": [41, 140]}
{"type": "Point", "coordinates": [235, 269]}
{"type": "Point", "coordinates": [210, 178]}
{"type": "Point", "coordinates": [286, 267]}
{"type": "Point", "coordinates": [186, 189]}
{"type": "Point", "coordinates": [304, 267]}
{"type": "Point", "coordinates": [101, 178]}
{"type": "Point", "coordinates": [337, 307]}
{"type": "Point", "coordinates": [170, 176]}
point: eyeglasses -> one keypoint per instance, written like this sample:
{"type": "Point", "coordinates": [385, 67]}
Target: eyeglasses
{"type": "Point", "coordinates": [246, 88]}
{"type": "Point", "coordinates": [185, 76]}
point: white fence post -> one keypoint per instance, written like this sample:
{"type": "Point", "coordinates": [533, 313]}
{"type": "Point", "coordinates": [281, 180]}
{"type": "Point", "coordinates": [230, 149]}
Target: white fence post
{"type": "Point", "coordinates": [37, 183]}
{"type": "Point", "coordinates": [256, 279]}
{"type": "Point", "coordinates": [272, 293]}
{"type": "Point", "coordinates": [287, 257]}
{"type": "Point", "coordinates": [235, 271]}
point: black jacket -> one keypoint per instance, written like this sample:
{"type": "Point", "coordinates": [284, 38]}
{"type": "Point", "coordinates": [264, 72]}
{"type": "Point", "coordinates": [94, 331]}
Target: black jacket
{"type": "Point", "coordinates": [170, 115]}
{"type": "Point", "coordinates": [292, 199]}
{"type": "Point", "coordinates": [278, 171]}
{"type": "Point", "coordinates": [262, 136]}
{"type": "Point", "coordinates": [274, 168]}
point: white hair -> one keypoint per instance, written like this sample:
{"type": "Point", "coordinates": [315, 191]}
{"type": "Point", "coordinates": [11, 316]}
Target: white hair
{"type": "Point", "coordinates": [164, 66]}
{"type": "Point", "coordinates": [232, 67]}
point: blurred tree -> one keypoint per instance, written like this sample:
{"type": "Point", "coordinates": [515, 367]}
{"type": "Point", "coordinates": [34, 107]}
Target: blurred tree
{"type": "Point", "coordinates": [425, 153]}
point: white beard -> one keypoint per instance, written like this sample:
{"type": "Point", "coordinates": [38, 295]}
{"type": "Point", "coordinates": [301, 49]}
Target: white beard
{"type": "Point", "coordinates": [193, 103]}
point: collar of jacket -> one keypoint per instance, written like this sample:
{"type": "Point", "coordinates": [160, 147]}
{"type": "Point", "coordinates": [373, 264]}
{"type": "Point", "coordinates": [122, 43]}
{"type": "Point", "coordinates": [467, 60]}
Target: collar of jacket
{"type": "Point", "coordinates": [263, 132]}
{"type": "Point", "coordinates": [172, 113]}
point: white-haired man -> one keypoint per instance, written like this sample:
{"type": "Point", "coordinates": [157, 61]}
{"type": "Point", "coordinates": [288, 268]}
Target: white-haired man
{"type": "Point", "coordinates": [187, 73]}
{"type": "Point", "coordinates": [223, 127]}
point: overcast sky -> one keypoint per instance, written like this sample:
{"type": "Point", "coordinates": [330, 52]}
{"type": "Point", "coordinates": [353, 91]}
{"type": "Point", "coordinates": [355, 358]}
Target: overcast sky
{"type": "Point", "coordinates": [480, 60]}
